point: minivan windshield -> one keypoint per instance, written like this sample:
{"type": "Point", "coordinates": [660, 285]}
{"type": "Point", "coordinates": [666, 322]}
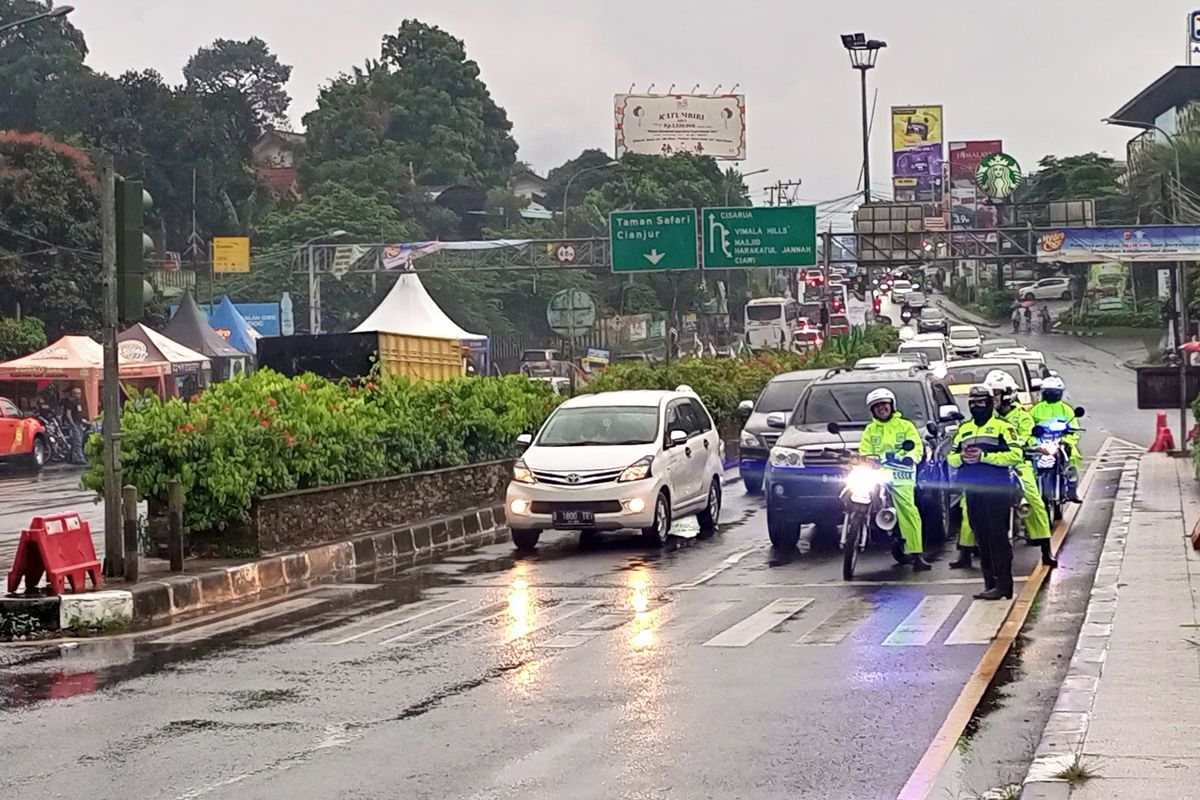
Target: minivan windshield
{"type": "Point", "coordinates": [600, 425]}
{"type": "Point", "coordinates": [847, 403]}
{"type": "Point", "coordinates": [779, 396]}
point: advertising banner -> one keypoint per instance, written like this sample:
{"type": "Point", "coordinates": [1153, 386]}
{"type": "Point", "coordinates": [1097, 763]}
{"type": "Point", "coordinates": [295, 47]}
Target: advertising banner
{"type": "Point", "coordinates": [1151, 243]}
{"type": "Point", "coordinates": [264, 318]}
{"type": "Point", "coordinates": [917, 153]}
{"type": "Point", "coordinates": [664, 124]}
{"type": "Point", "coordinates": [231, 254]}
{"type": "Point", "coordinates": [969, 208]}
{"type": "Point", "coordinates": [1107, 279]}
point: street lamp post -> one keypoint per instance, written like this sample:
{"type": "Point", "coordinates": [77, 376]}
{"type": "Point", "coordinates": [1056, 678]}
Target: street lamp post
{"type": "Point", "coordinates": [729, 185]}
{"type": "Point", "coordinates": [314, 282]}
{"type": "Point", "coordinates": [570, 180]}
{"type": "Point", "coordinates": [863, 52]}
{"type": "Point", "coordinates": [1180, 274]}
{"type": "Point", "coordinates": [59, 11]}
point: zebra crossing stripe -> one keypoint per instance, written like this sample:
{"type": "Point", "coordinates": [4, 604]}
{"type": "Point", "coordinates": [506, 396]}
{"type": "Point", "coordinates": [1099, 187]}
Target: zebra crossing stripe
{"type": "Point", "coordinates": [761, 621]}
{"type": "Point", "coordinates": [919, 627]}
{"type": "Point", "coordinates": [201, 632]}
{"type": "Point", "coordinates": [981, 622]}
{"type": "Point", "coordinates": [448, 626]}
{"type": "Point", "coordinates": [375, 624]}
{"type": "Point", "coordinates": [840, 624]}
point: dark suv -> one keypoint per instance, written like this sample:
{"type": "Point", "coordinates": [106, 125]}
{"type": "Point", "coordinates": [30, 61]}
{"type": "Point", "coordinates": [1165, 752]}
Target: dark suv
{"type": "Point", "coordinates": [803, 483]}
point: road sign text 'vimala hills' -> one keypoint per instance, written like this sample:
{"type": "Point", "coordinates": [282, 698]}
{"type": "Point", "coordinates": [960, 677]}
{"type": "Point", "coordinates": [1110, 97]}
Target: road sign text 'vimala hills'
{"type": "Point", "coordinates": [780, 236]}
{"type": "Point", "coordinates": [660, 239]}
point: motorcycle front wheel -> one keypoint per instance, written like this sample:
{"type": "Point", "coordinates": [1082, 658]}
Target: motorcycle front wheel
{"type": "Point", "coordinates": [856, 523]}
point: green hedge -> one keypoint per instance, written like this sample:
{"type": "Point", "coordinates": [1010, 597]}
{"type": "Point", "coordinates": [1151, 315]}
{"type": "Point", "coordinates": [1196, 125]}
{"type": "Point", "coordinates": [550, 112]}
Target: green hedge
{"type": "Point", "coordinates": [722, 383]}
{"type": "Point", "coordinates": [268, 433]}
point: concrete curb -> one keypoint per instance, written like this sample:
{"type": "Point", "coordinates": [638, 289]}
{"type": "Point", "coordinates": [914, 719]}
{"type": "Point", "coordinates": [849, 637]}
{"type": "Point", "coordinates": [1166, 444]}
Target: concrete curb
{"type": "Point", "coordinates": [963, 317]}
{"type": "Point", "coordinates": [1066, 730]}
{"type": "Point", "coordinates": [153, 603]}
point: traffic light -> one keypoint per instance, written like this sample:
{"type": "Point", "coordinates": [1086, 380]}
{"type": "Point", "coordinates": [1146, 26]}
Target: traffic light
{"type": "Point", "coordinates": [133, 244]}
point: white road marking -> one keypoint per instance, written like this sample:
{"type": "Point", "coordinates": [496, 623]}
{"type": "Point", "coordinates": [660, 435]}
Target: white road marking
{"type": "Point", "coordinates": [400, 616]}
{"type": "Point", "coordinates": [302, 627]}
{"type": "Point", "coordinates": [981, 622]}
{"type": "Point", "coordinates": [579, 607]}
{"type": "Point", "coordinates": [840, 624]}
{"type": "Point", "coordinates": [242, 621]}
{"type": "Point", "coordinates": [709, 574]}
{"type": "Point", "coordinates": [919, 627]}
{"type": "Point", "coordinates": [444, 628]}
{"type": "Point", "coordinates": [761, 621]}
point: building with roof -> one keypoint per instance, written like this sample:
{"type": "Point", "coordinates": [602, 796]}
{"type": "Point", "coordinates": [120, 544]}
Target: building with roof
{"type": "Point", "coordinates": [1171, 103]}
{"type": "Point", "coordinates": [274, 160]}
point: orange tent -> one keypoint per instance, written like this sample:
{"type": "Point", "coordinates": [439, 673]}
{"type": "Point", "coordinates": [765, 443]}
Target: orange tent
{"type": "Point", "coordinates": [78, 359]}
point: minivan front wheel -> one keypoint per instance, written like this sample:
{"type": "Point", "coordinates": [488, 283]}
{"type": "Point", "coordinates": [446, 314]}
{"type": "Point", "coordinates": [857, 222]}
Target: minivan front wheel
{"type": "Point", "coordinates": [526, 541]}
{"type": "Point", "coordinates": [710, 516]}
{"type": "Point", "coordinates": [656, 534]}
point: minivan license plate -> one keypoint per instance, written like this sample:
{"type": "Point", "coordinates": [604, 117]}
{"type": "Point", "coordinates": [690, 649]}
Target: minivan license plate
{"type": "Point", "coordinates": [574, 518]}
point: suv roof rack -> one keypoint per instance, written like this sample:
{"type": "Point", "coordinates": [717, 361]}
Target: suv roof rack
{"type": "Point", "coordinates": [836, 371]}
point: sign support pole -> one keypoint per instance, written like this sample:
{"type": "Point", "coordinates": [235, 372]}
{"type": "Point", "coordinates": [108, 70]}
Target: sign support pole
{"type": "Point", "coordinates": [114, 539]}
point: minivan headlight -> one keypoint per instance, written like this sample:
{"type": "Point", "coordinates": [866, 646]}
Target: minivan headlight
{"type": "Point", "coordinates": [786, 457]}
{"type": "Point", "coordinates": [522, 473]}
{"type": "Point", "coordinates": [749, 439]}
{"type": "Point", "coordinates": [637, 471]}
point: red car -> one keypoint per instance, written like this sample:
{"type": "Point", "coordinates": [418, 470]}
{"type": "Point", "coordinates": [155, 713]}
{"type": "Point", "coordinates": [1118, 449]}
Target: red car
{"type": "Point", "coordinates": [838, 324]}
{"type": "Point", "coordinates": [23, 439]}
{"type": "Point", "coordinates": [814, 277]}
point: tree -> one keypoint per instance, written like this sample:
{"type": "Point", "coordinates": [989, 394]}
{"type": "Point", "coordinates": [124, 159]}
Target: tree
{"type": "Point", "coordinates": [248, 69]}
{"type": "Point", "coordinates": [32, 58]}
{"type": "Point", "coordinates": [423, 105]}
{"type": "Point", "coordinates": [49, 236]}
{"type": "Point", "coordinates": [1083, 177]}
{"type": "Point", "coordinates": [19, 337]}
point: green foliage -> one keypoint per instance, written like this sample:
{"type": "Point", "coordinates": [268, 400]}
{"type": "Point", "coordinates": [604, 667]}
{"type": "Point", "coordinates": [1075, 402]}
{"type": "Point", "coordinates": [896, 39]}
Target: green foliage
{"type": "Point", "coordinates": [32, 59]}
{"type": "Point", "coordinates": [247, 68]}
{"type": "Point", "coordinates": [20, 337]}
{"type": "Point", "coordinates": [722, 383]}
{"type": "Point", "coordinates": [1080, 177]}
{"type": "Point", "coordinates": [268, 433]}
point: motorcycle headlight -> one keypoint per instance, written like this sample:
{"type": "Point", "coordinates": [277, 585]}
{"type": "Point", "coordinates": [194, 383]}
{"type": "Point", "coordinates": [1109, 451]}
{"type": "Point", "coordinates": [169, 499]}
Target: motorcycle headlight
{"type": "Point", "coordinates": [748, 439]}
{"type": "Point", "coordinates": [637, 471]}
{"type": "Point", "coordinates": [862, 480]}
{"type": "Point", "coordinates": [786, 457]}
{"type": "Point", "coordinates": [522, 473]}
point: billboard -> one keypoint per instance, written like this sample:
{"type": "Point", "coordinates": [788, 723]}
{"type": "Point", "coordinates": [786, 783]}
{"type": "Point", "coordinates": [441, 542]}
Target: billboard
{"type": "Point", "coordinates": [969, 207]}
{"type": "Point", "coordinates": [231, 254]}
{"type": "Point", "coordinates": [917, 153]}
{"type": "Point", "coordinates": [665, 124]}
{"type": "Point", "coordinates": [1150, 243]}
{"type": "Point", "coordinates": [262, 317]}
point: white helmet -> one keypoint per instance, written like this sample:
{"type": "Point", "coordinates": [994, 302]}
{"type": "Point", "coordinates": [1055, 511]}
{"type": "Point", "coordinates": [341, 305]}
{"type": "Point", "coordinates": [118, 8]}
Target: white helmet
{"type": "Point", "coordinates": [876, 396]}
{"type": "Point", "coordinates": [1000, 381]}
{"type": "Point", "coordinates": [1054, 382]}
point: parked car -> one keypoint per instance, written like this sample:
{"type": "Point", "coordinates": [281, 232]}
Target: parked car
{"type": "Point", "coordinates": [803, 479]}
{"type": "Point", "coordinates": [1046, 289]}
{"type": "Point", "coordinates": [964, 340]}
{"type": "Point", "coordinates": [617, 460]}
{"type": "Point", "coordinates": [23, 439]}
{"type": "Point", "coordinates": [932, 320]}
{"type": "Point", "coordinates": [780, 394]}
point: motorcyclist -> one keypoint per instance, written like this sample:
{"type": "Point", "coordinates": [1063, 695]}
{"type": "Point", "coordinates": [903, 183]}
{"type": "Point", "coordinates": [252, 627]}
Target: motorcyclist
{"type": "Point", "coordinates": [1008, 408]}
{"type": "Point", "coordinates": [886, 434]}
{"type": "Point", "coordinates": [982, 456]}
{"type": "Point", "coordinates": [1052, 407]}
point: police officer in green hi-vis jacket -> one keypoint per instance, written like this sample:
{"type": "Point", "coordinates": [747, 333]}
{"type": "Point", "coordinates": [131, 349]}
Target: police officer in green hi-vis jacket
{"type": "Point", "coordinates": [886, 433]}
{"type": "Point", "coordinates": [984, 460]}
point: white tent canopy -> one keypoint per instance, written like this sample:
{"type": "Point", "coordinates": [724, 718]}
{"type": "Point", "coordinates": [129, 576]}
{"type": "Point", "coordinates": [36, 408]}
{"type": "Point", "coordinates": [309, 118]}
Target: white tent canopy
{"type": "Point", "coordinates": [408, 309]}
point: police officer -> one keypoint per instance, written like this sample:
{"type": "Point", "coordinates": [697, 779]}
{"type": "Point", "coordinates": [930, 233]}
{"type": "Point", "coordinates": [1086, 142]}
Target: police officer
{"type": "Point", "coordinates": [1052, 407]}
{"type": "Point", "coordinates": [983, 457]}
{"type": "Point", "coordinates": [886, 434]}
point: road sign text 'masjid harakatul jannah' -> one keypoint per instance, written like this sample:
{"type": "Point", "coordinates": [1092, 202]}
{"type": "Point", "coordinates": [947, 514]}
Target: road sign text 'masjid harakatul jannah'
{"type": "Point", "coordinates": [730, 238]}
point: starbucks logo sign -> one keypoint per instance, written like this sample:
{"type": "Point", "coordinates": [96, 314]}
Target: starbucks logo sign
{"type": "Point", "coordinates": [998, 175]}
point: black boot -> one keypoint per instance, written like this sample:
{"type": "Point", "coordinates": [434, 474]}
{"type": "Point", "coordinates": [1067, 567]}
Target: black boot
{"type": "Point", "coordinates": [995, 593]}
{"type": "Point", "coordinates": [1073, 495]}
{"type": "Point", "coordinates": [919, 563]}
{"type": "Point", "coordinates": [964, 559]}
{"type": "Point", "coordinates": [1047, 557]}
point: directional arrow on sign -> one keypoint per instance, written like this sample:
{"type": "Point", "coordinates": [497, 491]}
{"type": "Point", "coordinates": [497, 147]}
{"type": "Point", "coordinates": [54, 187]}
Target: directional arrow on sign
{"type": "Point", "coordinates": [654, 256]}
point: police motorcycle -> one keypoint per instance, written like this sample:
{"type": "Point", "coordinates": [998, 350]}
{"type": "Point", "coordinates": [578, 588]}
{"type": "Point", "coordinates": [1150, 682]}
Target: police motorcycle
{"type": "Point", "coordinates": [866, 498]}
{"type": "Point", "coordinates": [1052, 464]}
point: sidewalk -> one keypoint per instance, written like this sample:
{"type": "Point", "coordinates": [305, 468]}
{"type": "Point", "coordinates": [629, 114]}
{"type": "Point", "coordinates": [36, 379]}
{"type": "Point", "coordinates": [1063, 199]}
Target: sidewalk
{"type": "Point", "coordinates": [959, 313]}
{"type": "Point", "coordinates": [1129, 709]}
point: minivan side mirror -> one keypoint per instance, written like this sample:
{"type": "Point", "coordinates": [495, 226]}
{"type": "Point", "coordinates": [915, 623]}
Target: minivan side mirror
{"type": "Point", "coordinates": [525, 439]}
{"type": "Point", "coordinates": [949, 413]}
{"type": "Point", "coordinates": [677, 436]}
{"type": "Point", "coordinates": [746, 406]}
{"type": "Point", "coordinates": [776, 420]}
{"type": "Point", "coordinates": [834, 428]}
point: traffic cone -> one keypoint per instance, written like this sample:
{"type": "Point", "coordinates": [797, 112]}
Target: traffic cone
{"type": "Point", "coordinates": [1163, 440]}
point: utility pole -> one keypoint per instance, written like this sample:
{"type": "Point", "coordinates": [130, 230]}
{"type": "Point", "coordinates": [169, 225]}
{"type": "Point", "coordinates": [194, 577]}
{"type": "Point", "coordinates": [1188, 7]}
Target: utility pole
{"type": "Point", "coordinates": [114, 540]}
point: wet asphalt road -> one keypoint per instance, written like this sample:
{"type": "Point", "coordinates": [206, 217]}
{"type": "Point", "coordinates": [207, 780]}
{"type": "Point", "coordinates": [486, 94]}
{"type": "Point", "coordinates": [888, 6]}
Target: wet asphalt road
{"type": "Point", "coordinates": [713, 669]}
{"type": "Point", "coordinates": [55, 490]}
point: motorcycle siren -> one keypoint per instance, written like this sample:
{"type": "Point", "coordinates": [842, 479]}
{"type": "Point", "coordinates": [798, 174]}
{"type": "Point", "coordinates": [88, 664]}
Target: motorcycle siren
{"type": "Point", "coordinates": [886, 519]}
{"type": "Point", "coordinates": [1023, 509]}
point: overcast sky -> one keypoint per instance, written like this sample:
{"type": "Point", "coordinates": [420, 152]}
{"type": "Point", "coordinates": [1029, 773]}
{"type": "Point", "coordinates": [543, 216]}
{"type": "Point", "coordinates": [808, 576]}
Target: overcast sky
{"type": "Point", "coordinates": [1038, 74]}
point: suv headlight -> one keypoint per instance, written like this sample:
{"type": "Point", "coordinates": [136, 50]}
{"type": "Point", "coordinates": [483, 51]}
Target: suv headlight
{"type": "Point", "coordinates": [637, 471]}
{"type": "Point", "coordinates": [522, 473]}
{"type": "Point", "coordinates": [748, 439]}
{"type": "Point", "coordinates": [786, 457]}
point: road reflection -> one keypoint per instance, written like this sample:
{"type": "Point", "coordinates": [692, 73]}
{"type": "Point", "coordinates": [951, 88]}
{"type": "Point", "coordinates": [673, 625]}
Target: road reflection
{"type": "Point", "coordinates": [644, 622]}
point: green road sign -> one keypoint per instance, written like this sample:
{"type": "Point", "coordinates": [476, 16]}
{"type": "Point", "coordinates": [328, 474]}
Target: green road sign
{"type": "Point", "coordinates": [644, 241]}
{"type": "Point", "coordinates": [782, 236]}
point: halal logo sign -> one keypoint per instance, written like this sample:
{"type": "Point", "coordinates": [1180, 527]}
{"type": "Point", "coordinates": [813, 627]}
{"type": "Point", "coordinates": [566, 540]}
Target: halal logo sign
{"type": "Point", "coordinates": [998, 175]}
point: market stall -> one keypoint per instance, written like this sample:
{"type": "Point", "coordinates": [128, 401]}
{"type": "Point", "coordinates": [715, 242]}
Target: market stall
{"type": "Point", "coordinates": [190, 371]}
{"type": "Point", "coordinates": [190, 328]}
{"type": "Point", "coordinates": [76, 361]}
{"type": "Point", "coordinates": [231, 326]}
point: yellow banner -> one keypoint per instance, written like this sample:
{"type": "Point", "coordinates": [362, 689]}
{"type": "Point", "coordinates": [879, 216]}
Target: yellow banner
{"type": "Point", "coordinates": [913, 126]}
{"type": "Point", "coordinates": [231, 254]}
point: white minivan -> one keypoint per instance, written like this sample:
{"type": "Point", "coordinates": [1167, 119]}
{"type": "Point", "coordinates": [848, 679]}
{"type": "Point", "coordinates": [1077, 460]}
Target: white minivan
{"type": "Point", "coordinates": [618, 460]}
